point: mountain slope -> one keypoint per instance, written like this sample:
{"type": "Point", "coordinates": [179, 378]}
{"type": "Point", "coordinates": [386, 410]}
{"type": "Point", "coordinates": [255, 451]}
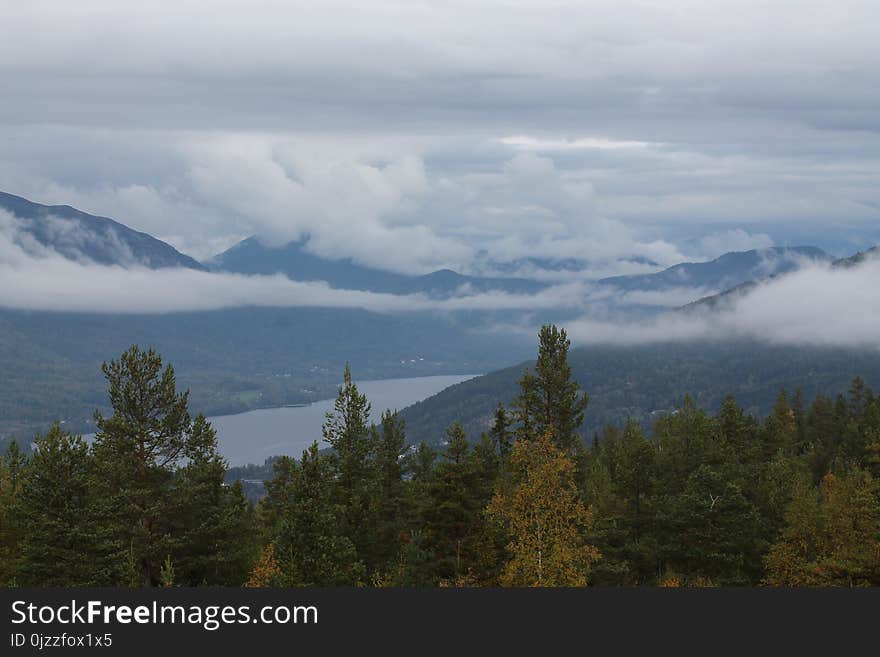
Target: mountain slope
{"type": "Point", "coordinates": [81, 236]}
{"type": "Point", "coordinates": [728, 297]}
{"type": "Point", "coordinates": [293, 260]}
{"type": "Point", "coordinates": [642, 382]}
{"type": "Point", "coordinates": [724, 272]}
{"type": "Point", "coordinates": [233, 360]}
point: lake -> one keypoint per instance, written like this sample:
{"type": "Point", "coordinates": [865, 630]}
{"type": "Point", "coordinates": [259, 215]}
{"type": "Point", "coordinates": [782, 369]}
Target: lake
{"type": "Point", "coordinates": [254, 436]}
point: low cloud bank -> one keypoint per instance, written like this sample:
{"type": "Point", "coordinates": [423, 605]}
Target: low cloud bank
{"type": "Point", "coordinates": [49, 281]}
{"type": "Point", "coordinates": [818, 305]}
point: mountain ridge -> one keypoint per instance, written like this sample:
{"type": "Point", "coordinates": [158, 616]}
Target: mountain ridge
{"type": "Point", "coordinates": [250, 256]}
{"type": "Point", "coordinates": [75, 235]}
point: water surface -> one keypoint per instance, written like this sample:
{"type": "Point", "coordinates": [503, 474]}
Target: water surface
{"type": "Point", "coordinates": [254, 436]}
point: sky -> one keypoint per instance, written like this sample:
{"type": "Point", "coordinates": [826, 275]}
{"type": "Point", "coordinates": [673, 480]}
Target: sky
{"type": "Point", "coordinates": [487, 137]}
{"type": "Point", "coordinates": [417, 135]}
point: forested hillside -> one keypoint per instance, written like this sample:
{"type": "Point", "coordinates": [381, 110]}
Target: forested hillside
{"type": "Point", "coordinates": [233, 360]}
{"type": "Point", "coordinates": [711, 499]}
{"type": "Point", "coordinates": [642, 382]}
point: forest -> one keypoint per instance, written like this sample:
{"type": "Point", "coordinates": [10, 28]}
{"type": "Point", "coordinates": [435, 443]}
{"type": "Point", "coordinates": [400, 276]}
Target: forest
{"type": "Point", "coordinates": [702, 500]}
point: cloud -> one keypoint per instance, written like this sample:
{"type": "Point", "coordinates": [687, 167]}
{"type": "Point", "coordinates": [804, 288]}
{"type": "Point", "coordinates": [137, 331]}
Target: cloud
{"type": "Point", "coordinates": [409, 136]}
{"type": "Point", "coordinates": [817, 305]}
{"type": "Point", "coordinates": [41, 279]}
{"type": "Point", "coordinates": [734, 240]}
{"type": "Point", "coordinates": [525, 142]}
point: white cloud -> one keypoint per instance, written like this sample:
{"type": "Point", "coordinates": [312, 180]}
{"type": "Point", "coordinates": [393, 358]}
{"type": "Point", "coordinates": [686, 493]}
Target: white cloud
{"type": "Point", "coordinates": [526, 142]}
{"type": "Point", "coordinates": [734, 240]}
{"type": "Point", "coordinates": [817, 305]}
{"type": "Point", "coordinates": [408, 135]}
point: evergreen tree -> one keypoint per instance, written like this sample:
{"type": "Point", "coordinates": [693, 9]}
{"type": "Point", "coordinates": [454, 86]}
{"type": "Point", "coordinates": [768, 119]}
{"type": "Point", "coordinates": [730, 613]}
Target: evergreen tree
{"type": "Point", "coordinates": [55, 514]}
{"type": "Point", "coordinates": [620, 489]}
{"type": "Point", "coordinates": [549, 400]}
{"type": "Point", "coordinates": [780, 431]}
{"type": "Point", "coordinates": [389, 503]}
{"type": "Point", "coordinates": [160, 481]}
{"type": "Point", "coordinates": [347, 430]}
{"type": "Point", "coordinates": [452, 513]}
{"type": "Point", "coordinates": [309, 544]}
{"type": "Point", "coordinates": [501, 431]}
{"type": "Point", "coordinates": [9, 539]}
{"type": "Point", "coordinates": [212, 524]}
{"type": "Point", "coordinates": [712, 531]}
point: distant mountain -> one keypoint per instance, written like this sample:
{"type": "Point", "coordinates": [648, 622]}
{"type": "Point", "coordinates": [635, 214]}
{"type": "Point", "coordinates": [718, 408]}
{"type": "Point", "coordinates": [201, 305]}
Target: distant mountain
{"type": "Point", "coordinates": [250, 256]}
{"type": "Point", "coordinates": [858, 258]}
{"type": "Point", "coordinates": [725, 299]}
{"type": "Point", "coordinates": [726, 271]}
{"type": "Point", "coordinates": [80, 236]}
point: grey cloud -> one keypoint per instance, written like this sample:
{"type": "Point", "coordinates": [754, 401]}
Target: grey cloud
{"type": "Point", "coordinates": [817, 305]}
{"type": "Point", "coordinates": [411, 136]}
{"type": "Point", "coordinates": [41, 279]}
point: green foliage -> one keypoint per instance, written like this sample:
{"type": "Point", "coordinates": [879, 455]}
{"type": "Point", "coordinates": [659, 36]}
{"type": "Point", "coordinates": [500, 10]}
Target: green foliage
{"type": "Point", "coordinates": [549, 400]}
{"type": "Point", "coordinates": [645, 382]}
{"type": "Point", "coordinates": [310, 544]}
{"type": "Point", "coordinates": [10, 468]}
{"type": "Point", "coordinates": [707, 499]}
{"type": "Point", "coordinates": [832, 536]}
{"type": "Point", "coordinates": [451, 512]}
{"type": "Point", "coordinates": [56, 515]}
{"type": "Point", "coordinates": [159, 484]}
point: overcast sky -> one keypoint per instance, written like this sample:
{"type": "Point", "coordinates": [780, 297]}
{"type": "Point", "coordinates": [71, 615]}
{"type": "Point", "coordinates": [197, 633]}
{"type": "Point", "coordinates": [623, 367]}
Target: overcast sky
{"type": "Point", "coordinates": [416, 135]}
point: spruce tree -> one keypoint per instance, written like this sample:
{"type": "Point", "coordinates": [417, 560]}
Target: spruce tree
{"type": "Point", "coordinates": [549, 400]}
{"type": "Point", "coordinates": [9, 542]}
{"type": "Point", "coordinates": [501, 431]}
{"type": "Point", "coordinates": [347, 430]}
{"type": "Point", "coordinates": [55, 514]}
{"type": "Point", "coordinates": [212, 524]}
{"type": "Point", "coordinates": [309, 543]}
{"type": "Point", "coordinates": [390, 446]}
{"type": "Point", "coordinates": [452, 513]}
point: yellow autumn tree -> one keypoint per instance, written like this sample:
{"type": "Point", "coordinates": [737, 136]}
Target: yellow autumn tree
{"type": "Point", "coordinates": [541, 511]}
{"type": "Point", "coordinates": [832, 537]}
{"type": "Point", "coordinates": [266, 572]}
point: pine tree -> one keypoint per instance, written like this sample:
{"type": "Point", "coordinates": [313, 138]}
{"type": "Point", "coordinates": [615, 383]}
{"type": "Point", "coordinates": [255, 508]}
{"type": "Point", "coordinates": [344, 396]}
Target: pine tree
{"type": "Point", "coordinates": [712, 531]}
{"type": "Point", "coordinates": [310, 546]}
{"type": "Point", "coordinates": [55, 513]}
{"type": "Point", "coordinates": [160, 481]}
{"type": "Point", "coordinates": [545, 518]}
{"type": "Point", "coordinates": [620, 488]}
{"type": "Point", "coordinates": [9, 539]}
{"type": "Point", "coordinates": [549, 400]}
